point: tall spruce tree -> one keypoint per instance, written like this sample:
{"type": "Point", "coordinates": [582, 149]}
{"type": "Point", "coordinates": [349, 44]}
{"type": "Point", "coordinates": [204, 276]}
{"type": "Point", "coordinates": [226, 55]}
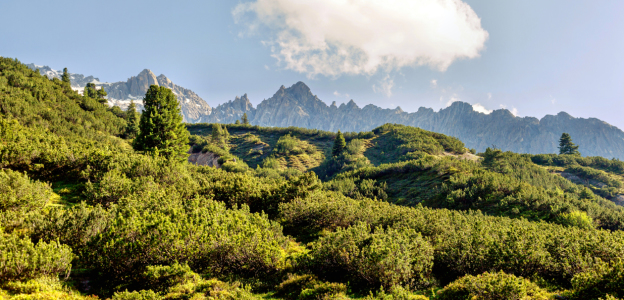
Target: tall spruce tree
{"type": "Point", "coordinates": [566, 146]}
{"type": "Point", "coordinates": [339, 144]}
{"type": "Point", "coordinates": [161, 131]}
{"type": "Point", "coordinates": [65, 78]}
{"type": "Point", "coordinates": [245, 119]}
{"type": "Point", "coordinates": [101, 93]}
{"type": "Point", "coordinates": [90, 91]}
{"type": "Point", "coordinates": [132, 129]}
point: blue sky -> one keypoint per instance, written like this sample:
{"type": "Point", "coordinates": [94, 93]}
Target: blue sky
{"type": "Point", "coordinates": [532, 57]}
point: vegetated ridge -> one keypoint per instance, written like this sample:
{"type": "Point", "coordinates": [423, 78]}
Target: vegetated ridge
{"type": "Point", "coordinates": [85, 216]}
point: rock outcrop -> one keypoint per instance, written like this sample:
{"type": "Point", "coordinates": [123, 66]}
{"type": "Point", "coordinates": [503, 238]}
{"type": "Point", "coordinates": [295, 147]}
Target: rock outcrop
{"type": "Point", "coordinates": [297, 106]}
{"type": "Point", "coordinates": [204, 159]}
{"type": "Point", "coordinates": [121, 93]}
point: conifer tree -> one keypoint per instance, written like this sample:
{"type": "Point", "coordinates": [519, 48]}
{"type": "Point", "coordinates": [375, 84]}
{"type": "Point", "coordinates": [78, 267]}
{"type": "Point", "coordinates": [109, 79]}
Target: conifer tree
{"type": "Point", "coordinates": [65, 78]}
{"type": "Point", "coordinates": [161, 131]}
{"type": "Point", "coordinates": [339, 144]}
{"type": "Point", "coordinates": [90, 91]}
{"type": "Point", "coordinates": [245, 119]}
{"type": "Point", "coordinates": [132, 129]}
{"type": "Point", "coordinates": [566, 146]}
{"type": "Point", "coordinates": [101, 93]}
{"type": "Point", "coordinates": [216, 132]}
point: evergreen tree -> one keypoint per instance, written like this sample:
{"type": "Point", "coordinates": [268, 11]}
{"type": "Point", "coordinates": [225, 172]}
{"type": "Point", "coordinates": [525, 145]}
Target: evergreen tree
{"type": "Point", "coordinates": [90, 91]}
{"type": "Point", "coordinates": [216, 132]}
{"type": "Point", "coordinates": [245, 119]}
{"type": "Point", "coordinates": [566, 146]}
{"type": "Point", "coordinates": [339, 144]}
{"type": "Point", "coordinates": [101, 93]}
{"type": "Point", "coordinates": [132, 129]}
{"type": "Point", "coordinates": [65, 78]}
{"type": "Point", "coordinates": [219, 135]}
{"type": "Point", "coordinates": [161, 131]}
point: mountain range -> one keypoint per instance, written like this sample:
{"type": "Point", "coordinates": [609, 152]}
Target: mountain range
{"type": "Point", "coordinates": [298, 106]}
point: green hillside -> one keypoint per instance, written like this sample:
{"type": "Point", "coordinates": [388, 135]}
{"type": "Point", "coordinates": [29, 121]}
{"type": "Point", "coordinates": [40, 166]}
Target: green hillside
{"type": "Point", "coordinates": [400, 213]}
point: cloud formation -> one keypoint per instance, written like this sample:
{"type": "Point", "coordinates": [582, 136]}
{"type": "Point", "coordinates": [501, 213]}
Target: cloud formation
{"type": "Point", "coordinates": [335, 37]}
{"type": "Point", "coordinates": [480, 108]}
{"type": "Point", "coordinates": [434, 83]}
{"type": "Point", "coordinates": [384, 86]}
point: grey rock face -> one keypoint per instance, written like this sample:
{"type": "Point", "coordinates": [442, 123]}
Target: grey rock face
{"type": "Point", "coordinates": [297, 106]}
{"type": "Point", "coordinates": [230, 111]}
{"type": "Point", "coordinates": [121, 93]}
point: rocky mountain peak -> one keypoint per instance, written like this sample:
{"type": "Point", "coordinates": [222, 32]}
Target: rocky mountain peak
{"type": "Point", "coordinates": [163, 80]}
{"type": "Point", "coordinates": [351, 104]}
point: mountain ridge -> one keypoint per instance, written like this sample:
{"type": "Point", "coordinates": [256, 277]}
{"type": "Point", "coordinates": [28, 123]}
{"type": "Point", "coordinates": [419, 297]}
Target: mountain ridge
{"type": "Point", "coordinates": [298, 106]}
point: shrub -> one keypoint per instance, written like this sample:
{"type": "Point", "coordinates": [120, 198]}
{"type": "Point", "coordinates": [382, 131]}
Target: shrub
{"type": "Point", "coordinates": [136, 295]}
{"type": "Point", "coordinates": [492, 286]}
{"type": "Point", "coordinates": [293, 285]}
{"type": "Point", "coordinates": [21, 193]}
{"type": "Point", "coordinates": [21, 259]}
{"type": "Point", "coordinates": [372, 258]}
{"type": "Point", "coordinates": [324, 290]}
{"type": "Point", "coordinates": [39, 289]}
{"type": "Point", "coordinates": [162, 230]}
{"type": "Point", "coordinates": [604, 280]}
{"type": "Point", "coordinates": [577, 218]}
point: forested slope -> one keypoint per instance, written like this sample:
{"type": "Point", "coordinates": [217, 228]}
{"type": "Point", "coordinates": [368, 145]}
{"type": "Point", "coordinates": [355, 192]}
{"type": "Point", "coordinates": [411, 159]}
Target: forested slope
{"type": "Point", "coordinates": [83, 214]}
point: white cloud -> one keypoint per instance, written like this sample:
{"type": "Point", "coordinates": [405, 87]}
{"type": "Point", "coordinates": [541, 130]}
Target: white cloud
{"type": "Point", "coordinates": [453, 98]}
{"type": "Point", "coordinates": [337, 94]}
{"type": "Point", "coordinates": [335, 37]}
{"type": "Point", "coordinates": [514, 111]}
{"type": "Point", "coordinates": [489, 96]}
{"type": "Point", "coordinates": [480, 108]}
{"type": "Point", "coordinates": [384, 86]}
{"type": "Point", "coordinates": [267, 67]}
{"type": "Point", "coordinates": [434, 83]}
{"type": "Point", "coordinates": [553, 100]}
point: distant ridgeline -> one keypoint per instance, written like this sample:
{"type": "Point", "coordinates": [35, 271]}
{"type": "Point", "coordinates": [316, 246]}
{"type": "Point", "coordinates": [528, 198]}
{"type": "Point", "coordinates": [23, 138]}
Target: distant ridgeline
{"type": "Point", "coordinates": [297, 106]}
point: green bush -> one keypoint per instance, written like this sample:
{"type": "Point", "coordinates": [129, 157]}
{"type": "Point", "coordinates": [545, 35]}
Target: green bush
{"type": "Point", "coordinates": [137, 295]}
{"type": "Point", "coordinates": [293, 285]}
{"type": "Point", "coordinates": [466, 243]}
{"type": "Point", "coordinates": [324, 290]}
{"type": "Point", "coordinates": [372, 258]}
{"type": "Point", "coordinates": [602, 281]}
{"type": "Point", "coordinates": [577, 218]}
{"type": "Point", "coordinates": [20, 193]}
{"type": "Point", "coordinates": [202, 233]}
{"type": "Point", "coordinates": [492, 286]}
{"type": "Point", "coordinates": [21, 259]}
{"type": "Point", "coordinates": [41, 288]}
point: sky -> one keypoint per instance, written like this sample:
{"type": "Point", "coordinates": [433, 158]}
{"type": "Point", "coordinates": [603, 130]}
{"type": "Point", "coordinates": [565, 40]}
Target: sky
{"type": "Point", "coordinates": [531, 57]}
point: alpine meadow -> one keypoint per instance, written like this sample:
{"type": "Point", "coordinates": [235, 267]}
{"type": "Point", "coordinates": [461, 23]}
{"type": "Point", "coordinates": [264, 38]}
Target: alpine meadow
{"type": "Point", "coordinates": [142, 190]}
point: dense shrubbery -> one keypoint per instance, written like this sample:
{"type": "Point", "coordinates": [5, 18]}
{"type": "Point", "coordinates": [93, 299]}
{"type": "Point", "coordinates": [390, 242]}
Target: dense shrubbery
{"type": "Point", "coordinates": [466, 243]}
{"type": "Point", "coordinates": [21, 259]}
{"type": "Point", "coordinates": [603, 280]}
{"type": "Point", "coordinates": [372, 257]}
{"type": "Point", "coordinates": [492, 286]}
{"type": "Point", "coordinates": [21, 193]}
{"type": "Point", "coordinates": [145, 227]}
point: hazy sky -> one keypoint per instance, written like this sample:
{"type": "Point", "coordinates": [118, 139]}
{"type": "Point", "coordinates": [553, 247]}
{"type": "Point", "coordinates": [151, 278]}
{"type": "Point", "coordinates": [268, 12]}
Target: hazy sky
{"type": "Point", "coordinates": [531, 57]}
